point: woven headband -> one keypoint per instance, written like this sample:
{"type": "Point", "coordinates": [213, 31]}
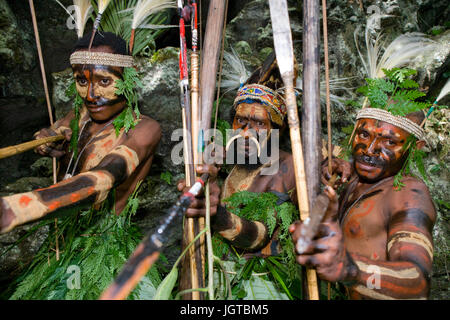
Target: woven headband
{"type": "Point", "coordinates": [265, 96]}
{"type": "Point", "coordinates": [398, 121]}
{"type": "Point", "coordinates": [101, 58]}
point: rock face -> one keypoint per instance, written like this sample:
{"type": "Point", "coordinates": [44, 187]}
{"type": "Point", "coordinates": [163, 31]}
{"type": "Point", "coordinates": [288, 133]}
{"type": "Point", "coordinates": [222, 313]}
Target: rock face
{"type": "Point", "coordinates": [23, 108]}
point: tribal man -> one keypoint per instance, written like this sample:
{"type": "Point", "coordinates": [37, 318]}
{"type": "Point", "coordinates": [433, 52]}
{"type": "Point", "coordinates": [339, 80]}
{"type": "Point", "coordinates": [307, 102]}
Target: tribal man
{"type": "Point", "coordinates": [105, 160]}
{"type": "Point", "coordinates": [114, 150]}
{"type": "Point", "coordinates": [258, 112]}
{"type": "Point", "coordinates": [377, 239]}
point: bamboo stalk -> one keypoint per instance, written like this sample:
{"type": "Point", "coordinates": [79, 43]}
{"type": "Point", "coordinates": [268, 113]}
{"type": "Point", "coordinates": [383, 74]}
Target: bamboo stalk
{"type": "Point", "coordinates": [300, 174]}
{"type": "Point", "coordinates": [311, 116]}
{"type": "Point", "coordinates": [20, 148]}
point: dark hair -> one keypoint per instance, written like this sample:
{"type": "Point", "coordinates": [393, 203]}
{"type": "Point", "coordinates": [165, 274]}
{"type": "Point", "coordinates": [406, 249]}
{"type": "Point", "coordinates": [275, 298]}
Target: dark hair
{"type": "Point", "coordinates": [416, 117]}
{"type": "Point", "coordinates": [116, 43]}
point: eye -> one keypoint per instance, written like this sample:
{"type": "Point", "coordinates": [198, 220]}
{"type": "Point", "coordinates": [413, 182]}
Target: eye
{"type": "Point", "coordinates": [364, 134]}
{"type": "Point", "coordinates": [259, 123]}
{"type": "Point", "coordinates": [241, 121]}
{"type": "Point", "coordinates": [105, 81]}
{"type": "Point", "coordinates": [390, 142]}
{"type": "Point", "coordinates": [82, 82]}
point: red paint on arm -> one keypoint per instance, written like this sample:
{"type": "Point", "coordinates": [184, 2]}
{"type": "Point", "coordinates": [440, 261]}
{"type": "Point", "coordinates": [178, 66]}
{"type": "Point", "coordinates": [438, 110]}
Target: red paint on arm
{"type": "Point", "coordinates": [24, 201]}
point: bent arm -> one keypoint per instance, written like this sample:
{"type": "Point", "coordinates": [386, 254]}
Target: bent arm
{"type": "Point", "coordinates": [406, 273]}
{"type": "Point", "coordinates": [241, 232]}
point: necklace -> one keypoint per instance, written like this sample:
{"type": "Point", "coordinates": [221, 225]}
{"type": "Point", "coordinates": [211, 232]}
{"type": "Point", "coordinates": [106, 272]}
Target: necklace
{"type": "Point", "coordinates": [70, 175]}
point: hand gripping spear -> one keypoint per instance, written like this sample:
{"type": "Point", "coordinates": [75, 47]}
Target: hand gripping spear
{"type": "Point", "coordinates": [285, 59]}
{"type": "Point", "coordinates": [192, 267]}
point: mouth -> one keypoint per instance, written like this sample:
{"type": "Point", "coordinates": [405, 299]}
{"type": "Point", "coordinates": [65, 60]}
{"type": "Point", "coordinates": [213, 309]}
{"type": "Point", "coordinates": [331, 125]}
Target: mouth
{"type": "Point", "coordinates": [367, 163]}
{"type": "Point", "coordinates": [94, 108]}
{"type": "Point", "coordinates": [365, 166]}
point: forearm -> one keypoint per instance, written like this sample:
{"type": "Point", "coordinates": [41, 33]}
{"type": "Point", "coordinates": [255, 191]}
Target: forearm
{"type": "Point", "coordinates": [86, 188]}
{"type": "Point", "coordinates": [387, 280]}
{"type": "Point", "coordinates": [241, 233]}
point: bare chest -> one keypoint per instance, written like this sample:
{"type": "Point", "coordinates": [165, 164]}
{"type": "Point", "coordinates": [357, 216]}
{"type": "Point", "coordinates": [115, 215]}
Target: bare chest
{"type": "Point", "coordinates": [93, 146]}
{"type": "Point", "coordinates": [253, 181]}
{"type": "Point", "coordinates": [364, 226]}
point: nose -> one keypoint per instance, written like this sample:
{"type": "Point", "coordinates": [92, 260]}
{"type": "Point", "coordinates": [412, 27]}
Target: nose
{"type": "Point", "coordinates": [91, 97]}
{"type": "Point", "coordinates": [374, 147]}
{"type": "Point", "coordinates": [248, 131]}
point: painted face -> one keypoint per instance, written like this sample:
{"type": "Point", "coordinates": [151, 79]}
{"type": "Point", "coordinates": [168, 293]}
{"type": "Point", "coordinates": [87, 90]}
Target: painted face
{"type": "Point", "coordinates": [96, 86]}
{"type": "Point", "coordinates": [378, 149]}
{"type": "Point", "coordinates": [251, 120]}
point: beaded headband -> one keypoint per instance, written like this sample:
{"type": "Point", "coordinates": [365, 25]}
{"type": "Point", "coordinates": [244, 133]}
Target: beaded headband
{"type": "Point", "coordinates": [102, 58]}
{"type": "Point", "coordinates": [398, 121]}
{"type": "Point", "coordinates": [265, 96]}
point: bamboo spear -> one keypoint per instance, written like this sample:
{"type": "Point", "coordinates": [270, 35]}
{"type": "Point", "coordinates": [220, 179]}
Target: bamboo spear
{"type": "Point", "coordinates": [285, 59]}
{"type": "Point", "coordinates": [193, 265]}
{"type": "Point", "coordinates": [19, 148]}
{"type": "Point", "coordinates": [192, 276]}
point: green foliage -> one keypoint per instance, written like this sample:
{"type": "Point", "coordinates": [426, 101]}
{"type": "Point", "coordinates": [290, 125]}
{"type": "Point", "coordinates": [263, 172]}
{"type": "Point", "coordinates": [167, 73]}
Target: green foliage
{"type": "Point", "coordinates": [415, 156]}
{"type": "Point", "coordinates": [262, 207]}
{"type": "Point", "coordinates": [128, 88]}
{"type": "Point", "coordinates": [395, 93]}
{"type": "Point", "coordinates": [97, 242]}
{"type": "Point", "coordinates": [165, 288]}
{"type": "Point", "coordinates": [167, 177]}
{"type": "Point", "coordinates": [72, 92]}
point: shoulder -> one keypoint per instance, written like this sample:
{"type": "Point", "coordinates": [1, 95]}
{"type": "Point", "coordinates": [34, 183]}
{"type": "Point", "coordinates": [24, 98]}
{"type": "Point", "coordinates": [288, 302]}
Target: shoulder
{"type": "Point", "coordinates": [147, 131]}
{"type": "Point", "coordinates": [413, 198]}
{"type": "Point", "coordinates": [144, 137]}
{"type": "Point", "coordinates": [286, 159]}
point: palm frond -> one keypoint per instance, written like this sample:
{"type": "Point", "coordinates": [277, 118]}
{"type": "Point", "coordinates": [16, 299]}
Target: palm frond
{"type": "Point", "coordinates": [145, 8]}
{"type": "Point", "coordinates": [445, 90]}
{"type": "Point", "coordinates": [118, 19]}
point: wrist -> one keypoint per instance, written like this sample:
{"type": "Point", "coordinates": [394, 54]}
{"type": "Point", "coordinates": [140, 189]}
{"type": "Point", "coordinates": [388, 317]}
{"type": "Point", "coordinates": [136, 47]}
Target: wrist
{"type": "Point", "coordinates": [221, 220]}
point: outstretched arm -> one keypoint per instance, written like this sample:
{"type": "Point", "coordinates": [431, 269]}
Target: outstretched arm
{"type": "Point", "coordinates": [84, 189]}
